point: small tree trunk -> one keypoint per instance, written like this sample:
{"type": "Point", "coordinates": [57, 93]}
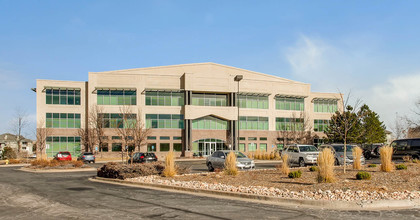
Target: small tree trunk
{"type": "Point", "coordinates": [345, 151]}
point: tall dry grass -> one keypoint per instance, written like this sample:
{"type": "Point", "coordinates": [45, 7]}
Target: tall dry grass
{"type": "Point", "coordinates": [326, 166]}
{"type": "Point", "coordinates": [170, 169]}
{"type": "Point", "coordinates": [257, 154]}
{"type": "Point", "coordinates": [386, 159]}
{"type": "Point", "coordinates": [357, 154]}
{"type": "Point", "coordinates": [285, 164]}
{"type": "Point", "coordinates": [230, 165]}
{"type": "Point", "coordinates": [277, 156]}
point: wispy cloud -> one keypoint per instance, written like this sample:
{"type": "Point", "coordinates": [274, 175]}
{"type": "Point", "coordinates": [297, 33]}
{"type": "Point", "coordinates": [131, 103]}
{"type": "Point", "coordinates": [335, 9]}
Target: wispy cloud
{"type": "Point", "coordinates": [353, 65]}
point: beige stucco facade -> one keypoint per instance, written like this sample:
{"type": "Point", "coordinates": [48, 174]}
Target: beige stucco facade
{"type": "Point", "coordinates": [190, 79]}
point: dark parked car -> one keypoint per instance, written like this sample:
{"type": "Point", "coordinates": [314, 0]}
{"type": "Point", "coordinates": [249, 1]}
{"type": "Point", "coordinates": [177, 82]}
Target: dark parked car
{"type": "Point", "coordinates": [87, 157]}
{"type": "Point", "coordinates": [406, 147]}
{"type": "Point", "coordinates": [143, 157]}
{"type": "Point", "coordinates": [371, 150]}
{"type": "Point", "coordinates": [63, 155]}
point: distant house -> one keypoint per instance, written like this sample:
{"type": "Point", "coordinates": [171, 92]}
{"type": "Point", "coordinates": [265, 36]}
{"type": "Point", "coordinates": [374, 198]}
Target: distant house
{"type": "Point", "coordinates": [389, 137]}
{"type": "Point", "coordinates": [413, 132]}
{"type": "Point", "coordinates": [10, 140]}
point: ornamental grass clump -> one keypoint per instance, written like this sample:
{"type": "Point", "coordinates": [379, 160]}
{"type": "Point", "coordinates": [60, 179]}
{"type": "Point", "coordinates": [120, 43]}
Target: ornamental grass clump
{"type": "Point", "coordinates": [284, 168]}
{"type": "Point", "coordinates": [230, 165]}
{"type": "Point", "coordinates": [363, 175]}
{"type": "Point", "coordinates": [267, 156]}
{"type": "Point", "coordinates": [257, 154]}
{"type": "Point", "coordinates": [170, 169]}
{"type": "Point", "coordinates": [386, 159]}
{"type": "Point", "coordinates": [326, 166]}
{"type": "Point", "coordinates": [272, 156]}
{"type": "Point", "coordinates": [357, 154]}
{"type": "Point", "coordinates": [277, 156]}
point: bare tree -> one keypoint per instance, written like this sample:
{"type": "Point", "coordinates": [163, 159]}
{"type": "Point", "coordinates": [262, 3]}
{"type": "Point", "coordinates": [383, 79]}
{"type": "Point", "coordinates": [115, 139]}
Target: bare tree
{"type": "Point", "coordinates": [399, 128]}
{"type": "Point", "coordinates": [19, 124]}
{"type": "Point", "coordinates": [125, 128]}
{"type": "Point", "coordinates": [139, 132]}
{"type": "Point", "coordinates": [96, 126]}
{"type": "Point", "coordinates": [88, 138]}
{"type": "Point", "coordinates": [343, 123]}
{"type": "Point", "coordinates": [42, 133]}
{"type": "Point", "coordinates": [298, 130]}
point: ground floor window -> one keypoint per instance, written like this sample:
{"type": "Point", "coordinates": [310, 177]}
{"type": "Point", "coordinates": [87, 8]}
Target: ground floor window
{"type": "Point", "coordinates": [177, 147]}
{"type": "Point", "coordinates": [56, 144]}
{"type": "Point", "coordinates": [151, 147]}
{"type": "Point", "coordinates": [164, 146]}
{"type": "Point", "coordinates": [263, 147]}
{"type": "Point", "coordinates": [280, 147]}
{"type": "Point", "coordinates": [116, 147]}
{"type": "Point", "coordinates": [104, 147]}
{"type": "Point", "coordinates": [252, 147]}
{"type": "Point", "coordinates": [242, 147]}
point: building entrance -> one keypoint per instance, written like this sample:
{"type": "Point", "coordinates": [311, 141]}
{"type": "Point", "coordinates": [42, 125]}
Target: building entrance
{"type": "Point", "coordinates": [206, 147]}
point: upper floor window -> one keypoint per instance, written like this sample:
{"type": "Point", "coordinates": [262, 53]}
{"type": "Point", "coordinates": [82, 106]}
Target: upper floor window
{"type": "Point", "coordinates": [164, 98]}
{"type": "Point", "coordinates": [206, 99]}
{"type": "Point", "coordinates": [290, 103]}
{"type": "Point", "coordinates": [321, 105]}
{"type": "Point", "coordinates": [253, 101]}
{"type": "Point", "coordinates": [63, 96]}
{"type": "Point", "coordinates": [289, 124]}
{"type": "Point", "coordinates": [115, 120]}
{"type": "Point", "coordinates": [116, 97]}
{"type": "Point", "coordinates": [209, 123]}
{"type": "Point", "coordinates": [164, 121]}
{"type": "Point", "coordinates": [321, 125]}
{"type": "Point", "coordinates": [62, 120]}
{"type": "Point", "coordinates": [253, 123]}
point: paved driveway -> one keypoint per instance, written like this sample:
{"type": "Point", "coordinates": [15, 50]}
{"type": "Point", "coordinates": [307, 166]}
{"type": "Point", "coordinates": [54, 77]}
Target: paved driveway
{"type": "Point", "coordinates": [71, 196]}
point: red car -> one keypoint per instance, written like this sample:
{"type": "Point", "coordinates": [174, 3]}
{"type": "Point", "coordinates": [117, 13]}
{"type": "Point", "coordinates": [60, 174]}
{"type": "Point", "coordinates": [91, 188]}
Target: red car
{"type": "Point", "coordinates": [63, 155]}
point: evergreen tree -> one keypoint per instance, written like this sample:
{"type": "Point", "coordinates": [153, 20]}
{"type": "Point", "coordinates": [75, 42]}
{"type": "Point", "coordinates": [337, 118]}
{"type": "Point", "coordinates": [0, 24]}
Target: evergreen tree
{"type": "Point", "coordinates": [340, 122]}
{"type": "Point", "coordinates": [374, 129]}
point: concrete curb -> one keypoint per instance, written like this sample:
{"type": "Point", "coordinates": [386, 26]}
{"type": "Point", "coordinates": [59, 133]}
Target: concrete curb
{"type": "Point", "coordinates": [322, 204]}
{"type": "Point", "coordinates": [24, 169]}
{"type": "Point", "coordinates": [15, 165]}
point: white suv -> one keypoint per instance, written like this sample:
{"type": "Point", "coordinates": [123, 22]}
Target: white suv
{"type": "Point", "coordinates": [302, 154]}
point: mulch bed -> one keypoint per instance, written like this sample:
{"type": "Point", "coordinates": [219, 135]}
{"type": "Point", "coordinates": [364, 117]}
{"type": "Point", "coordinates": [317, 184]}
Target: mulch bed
{"type": "Point", "coordinates": [396, 181]}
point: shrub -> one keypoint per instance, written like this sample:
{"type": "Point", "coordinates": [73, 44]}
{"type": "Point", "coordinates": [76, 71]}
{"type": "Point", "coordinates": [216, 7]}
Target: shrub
{"type": "Point", "coordinates": [14, 161]}
{"type": "Point", "coordinates": [357, 153]}
{"type": "Point", "coordinates": [363, 175]}
{"type": "Point", "coordinates": [386, 159]}
{"type": "Point", "coordinates": [124, 171]}
{"type": "Point", "coordinates": [313, 168]}
{"type": "Point", "coordinates": [372, 165]}
{"type": "Point", "coordinates": [295, 174]}
{"type": "Point", "coordinates": [169, 170]}
{"type": "Point", "coordinates": [326, 166]}
{"type": "Point", "coordinates": [416, 161]}
{"type": "Point", "coordinates": [37, 164]}
{"type": "Point", "coordinates": [401, 167]}
{"type": "Point", "coordinates": [230, 164]}
{"type": "Point", "coordinates": [9, 153]}
{"type": "Point", "coordinates": [285, 164]}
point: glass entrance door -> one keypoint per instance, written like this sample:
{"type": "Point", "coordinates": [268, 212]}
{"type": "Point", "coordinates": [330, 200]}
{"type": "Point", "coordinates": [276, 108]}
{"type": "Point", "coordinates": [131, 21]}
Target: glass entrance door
{"type": "Point", "coordinates": [210, 148]}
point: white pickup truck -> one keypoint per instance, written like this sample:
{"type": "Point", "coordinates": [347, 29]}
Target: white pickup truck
{"type": "Point", "coordinates": [302, 154]}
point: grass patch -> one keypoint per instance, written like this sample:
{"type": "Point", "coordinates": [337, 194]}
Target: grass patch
{"type": "Point", "coordinates": [372, 165]}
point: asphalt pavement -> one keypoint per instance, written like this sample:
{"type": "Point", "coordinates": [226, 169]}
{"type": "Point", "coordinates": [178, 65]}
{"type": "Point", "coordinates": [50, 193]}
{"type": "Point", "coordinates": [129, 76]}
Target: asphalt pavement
{"type": "Point", "coordinates": [26, 195]}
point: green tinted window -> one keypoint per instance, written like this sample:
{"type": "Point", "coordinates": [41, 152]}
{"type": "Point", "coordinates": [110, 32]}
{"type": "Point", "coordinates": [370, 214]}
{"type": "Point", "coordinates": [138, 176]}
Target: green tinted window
{"type": "Point", "coordinates": [289, 124]}
{"type": "Point", "coordinates": [62, 96]}
{"type": "Point", "coordinates": [253, 123]}
{"type": "Point", "coordinates": [164, 121]}
{"type": "Point", "coordinates": [165, 98]}
{"type": "Point", "coordinates": [290, 103]}
{"type": "Point", "coordinates": [209, 99]}
{"type": "Point", "coordinates": [325, 105]}
{"type": "Point", "coordinates": [116, 97]}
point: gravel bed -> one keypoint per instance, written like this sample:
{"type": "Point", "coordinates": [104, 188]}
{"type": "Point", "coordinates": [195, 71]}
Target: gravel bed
{"type": "Point", "coordinates": [397, 185]}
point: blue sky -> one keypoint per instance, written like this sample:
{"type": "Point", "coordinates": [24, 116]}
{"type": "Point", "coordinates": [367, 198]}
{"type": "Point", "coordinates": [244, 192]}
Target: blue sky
{"type": "Point", "coordinates": [370, 48]}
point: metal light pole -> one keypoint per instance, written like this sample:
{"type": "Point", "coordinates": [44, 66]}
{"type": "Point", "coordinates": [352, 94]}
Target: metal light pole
{"type": "Point", "coordinates": [237, 79]}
